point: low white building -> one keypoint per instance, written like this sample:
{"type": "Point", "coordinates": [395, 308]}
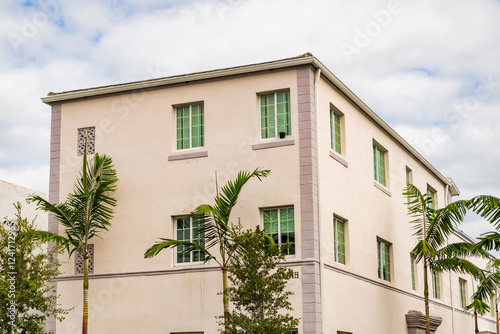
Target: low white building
{"type": "Point", "coordinates": [338, 171]}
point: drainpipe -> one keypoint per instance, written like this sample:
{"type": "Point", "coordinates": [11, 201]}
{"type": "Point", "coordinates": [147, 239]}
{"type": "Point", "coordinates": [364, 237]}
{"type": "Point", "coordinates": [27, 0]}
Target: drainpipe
{"type": "Point", "coordinates": [318, 169]}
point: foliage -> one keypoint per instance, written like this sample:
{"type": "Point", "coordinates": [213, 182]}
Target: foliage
{"type": "Point", "coordinates": [433, 227]}
{"type": "Point", "coordinates": [257, 288]}
{"type": "Point", "coordinates": [86, 213]}
{"type": "Point", "coordinates": [215, 229]}
{"type": "Point", "coordinates": [26, 271]}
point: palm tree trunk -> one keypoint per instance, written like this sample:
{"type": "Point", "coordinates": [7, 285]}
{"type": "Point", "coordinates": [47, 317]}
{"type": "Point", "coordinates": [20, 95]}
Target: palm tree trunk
{"type": "Point", "coordinates": [475, 322]}
{"type": "Point", "coordinates": [85, 292]}
{"type": "Point", "coordinates": [426, 300]}
{"type": "Point", "coordinates": [225, 300]}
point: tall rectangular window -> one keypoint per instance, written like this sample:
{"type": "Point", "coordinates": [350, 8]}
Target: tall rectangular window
{"type": "Point", "coordinates": [190, 126]}
{"type": "Point", "coordinates": [190, 229]}
{"type": "Point", "coordinates": [432, 195]}
{"type": "Point", "coordinates": [384, 260]}
{"type": "Point", "coordinates": [413, 273]}
{"type": "Point", "coordinates": [339, 240]}
{"type": "Point", "coordinates": [275, 115]}
{"type": "Point", "coordinates": [280, 225]}
{"type": "Point", "coordinates": [436, 286]}
{"type": "Point", "coordinates": [379, 165]}
{"type": "Point", "coordinates": [335, 131]}
{"type": "Point", "coordinates": [409, 176]}
{"type": "Point", "coordinates": [463, 293]}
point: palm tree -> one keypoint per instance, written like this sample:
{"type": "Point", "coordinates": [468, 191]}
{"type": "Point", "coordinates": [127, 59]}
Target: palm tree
{"type": "Point", "coordinates": [216, 230]}
{"type": "Point", "coordinates": [86, 213]}
{"type": "Point", "coordinates": [433, 227]}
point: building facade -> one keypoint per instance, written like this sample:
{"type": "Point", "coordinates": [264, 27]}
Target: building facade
{"type": "Point", "coordinates": [335, 189]}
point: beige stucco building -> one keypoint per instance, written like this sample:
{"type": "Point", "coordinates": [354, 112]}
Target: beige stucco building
{"type": "Point", "coordinates": [338, 172]}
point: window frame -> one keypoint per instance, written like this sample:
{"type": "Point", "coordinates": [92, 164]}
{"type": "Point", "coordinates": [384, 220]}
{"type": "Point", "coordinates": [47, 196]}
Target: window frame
{"type": "Point", "coordinates": [336, 250]}
{"type": "Point", "coordinates": [288, 114]}
{"type": "Point", "coordinates": [179, 249]}
{"type": "Point", "coordinates": [462, 284]}
{"type": "Point", "coordinates": [380, 151]}
{"type": "Point", "coordinates": [190, 126]}
{"type": "Point", "coordinates": [337, 140]}
{"type": "Point", "coordinates": [292, 251]}
{"type": "Point", "coordinates": [380, 269]}
{"type": "Point", "coordinates": [436, 284]}
{"type": "Point", "coordinates": [413, 272]}
{"type": "Point", "coordinates": [432, 193]}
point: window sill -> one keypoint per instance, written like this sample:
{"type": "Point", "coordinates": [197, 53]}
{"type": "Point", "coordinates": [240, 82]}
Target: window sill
{"type": "Point", "coordinates": [382, 188]}
{"type": "Point", "coordinates": [274, 143]}
{"type": "Point", "coordinates": [188, 155]}
{"type": "Point", "coordinates": [334, 155]}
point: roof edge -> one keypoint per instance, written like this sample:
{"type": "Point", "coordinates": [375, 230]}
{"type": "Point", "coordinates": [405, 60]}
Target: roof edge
{"type": "Point", "coordinates": [52, 98]}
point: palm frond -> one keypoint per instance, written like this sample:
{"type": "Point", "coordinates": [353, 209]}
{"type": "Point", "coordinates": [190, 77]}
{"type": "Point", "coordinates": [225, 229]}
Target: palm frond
{"type": "Point", "coordinates": [487, 207]}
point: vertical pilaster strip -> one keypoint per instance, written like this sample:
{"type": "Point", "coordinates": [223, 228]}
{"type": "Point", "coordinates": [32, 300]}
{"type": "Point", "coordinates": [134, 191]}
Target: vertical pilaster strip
{"type": "Point", "coordinates": [55, 163]}
{"type": "Point", "coordinates": [311, 283]}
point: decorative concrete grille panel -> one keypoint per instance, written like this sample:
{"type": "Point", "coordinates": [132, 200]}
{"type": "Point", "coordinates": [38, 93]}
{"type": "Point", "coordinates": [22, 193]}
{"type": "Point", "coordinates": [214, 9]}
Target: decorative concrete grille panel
{"type": "Point", "coordinates": [88, 133]}
{"type": "Point", "coordinates": [79, 261]}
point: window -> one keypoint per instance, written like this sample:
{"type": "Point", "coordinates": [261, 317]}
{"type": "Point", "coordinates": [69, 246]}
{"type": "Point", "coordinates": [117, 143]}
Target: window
{"type": "Point", "coordinates": [384, 260]}
{"type": "Point", "coordinates": [436, 287]}
{"type": "Point", "coordinates": [409, 176]}
{"type": "Point", "coordinates": [463, 293]}
{"type": "Point", "coordinates": [86, 135]}
{"type": "Point", "coordinates": [336, 130]}
{"type": "Point", "coordinates": [413, 273]}
{"type": "Point", "coordinates": [339, 240]}
{"type": "Point", "coordinates": [275, 116]}
{"type": "Point", "coordinates": [79, 261]}
{"type": "Point", "coordinates": [379, 165]}
{"type": "Point", "coordinates": [190, 126]}
{"type": "Point", "coordinates": [188, 229]}
{"type": "Point", "coordinates": [294, 331]}
{"type": "Point", "coordinates": [432, 194]}
{"type": "Point", "coordinates": [280, 225]}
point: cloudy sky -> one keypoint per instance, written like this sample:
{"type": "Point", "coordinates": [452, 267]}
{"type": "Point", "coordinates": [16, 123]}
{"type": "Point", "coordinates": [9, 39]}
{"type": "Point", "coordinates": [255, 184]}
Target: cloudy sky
{"type": "Point", "coordinates": [429, 68]}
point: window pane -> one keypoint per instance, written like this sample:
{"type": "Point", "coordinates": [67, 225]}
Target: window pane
{"type": "Point", "coordinates": [436, 285]}
{"type": "Point", "coordinates": [199, 238]}
{"type": "Point", "coordinates": [183, 234]}
{"type": "Point", "coordinates": [339, 243]}
{"type": "Point", "coordinates": [283, 112]}
{"type": "Point", "coordinates": [197, 125]}
{"type": "Point", "coordinates": [271, 224]}
{"type": "Point", "coordinates": [267, 122]}
{"type": "Point", "coordinates": [182, 127]}
{"type": "Point", "coordinates": [413, 282]}
{"type": "Point", "coordinates": [336, 133]}
{"type": "Point", "coordinates": [463, 298]}
{"type": "Point", "coordinates": [384, 262]}
{"type": "Point", "coordinates": [287, 227]}
{"type": "Point", "coordinates": [381, 166]}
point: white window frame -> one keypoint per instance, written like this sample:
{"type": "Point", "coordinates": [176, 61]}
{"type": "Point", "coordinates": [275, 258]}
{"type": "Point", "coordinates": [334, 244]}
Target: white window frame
{"type": "Point", "coordinates": [262, 210]}
{"type": "Point", "coordinates": [190, 105]}
{"type": "Point", "coordinates": [176, 249]}
{"type": "Point", "coordinates": [276, 133]}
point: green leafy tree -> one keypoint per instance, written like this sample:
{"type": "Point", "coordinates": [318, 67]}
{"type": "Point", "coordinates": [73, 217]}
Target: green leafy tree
{"type": "Point", "coordinates": [216, 230]}
{"type": "Point", "coordinates": [257, 288]}
{"type": "Point", "coordinates": [26, 278]}
{"type": "Point", "coordinates": [86, 213]}
{"type": "Point", "coordinates": [433, 227]}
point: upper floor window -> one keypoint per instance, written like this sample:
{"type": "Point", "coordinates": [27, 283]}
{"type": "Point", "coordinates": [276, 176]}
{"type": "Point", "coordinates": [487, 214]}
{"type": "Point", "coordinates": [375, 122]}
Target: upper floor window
{"type": "Point", "coordinates": [384, 260]}
{"type": "Point", "coordinates": [280, 225]}
{"type": "Point", "coordinates": [190, 126]}
{"type": "Point", "coordinates": [379, 164]}
{"type": "Point", "coordinates": [413, 272]}
{"type": "Point", "coordinates": [275, 115]}
{"type": "Point", "coordinates": [409, 176]}
{"type": "Point", "coordinates": [432, 195]}
{"type": "Point", "coordinates": [436, 286]}
{"type": "Point", "coordinates": [336, 118]}
{"type": "Point", "coordinates": [463, 292]}
{"type": "Point", "coordinates": [189, 229]}
{"type": "Point", "coordinates": [339, 240]}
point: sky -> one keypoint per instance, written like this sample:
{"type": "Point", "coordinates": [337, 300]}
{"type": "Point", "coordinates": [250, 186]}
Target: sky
{"type": "Point", "coordinates": [430, 69]}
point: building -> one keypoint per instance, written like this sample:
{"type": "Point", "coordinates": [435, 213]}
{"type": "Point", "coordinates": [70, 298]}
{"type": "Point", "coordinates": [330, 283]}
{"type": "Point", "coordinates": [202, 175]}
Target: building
{"type": "Point", "coordinates": [336, 188]}
{"type": "Point", "coordinates": [10, 194]}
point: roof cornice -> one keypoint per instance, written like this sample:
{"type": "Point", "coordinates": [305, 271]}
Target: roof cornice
{"type": "Point", "coordinates": [306, 59]}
